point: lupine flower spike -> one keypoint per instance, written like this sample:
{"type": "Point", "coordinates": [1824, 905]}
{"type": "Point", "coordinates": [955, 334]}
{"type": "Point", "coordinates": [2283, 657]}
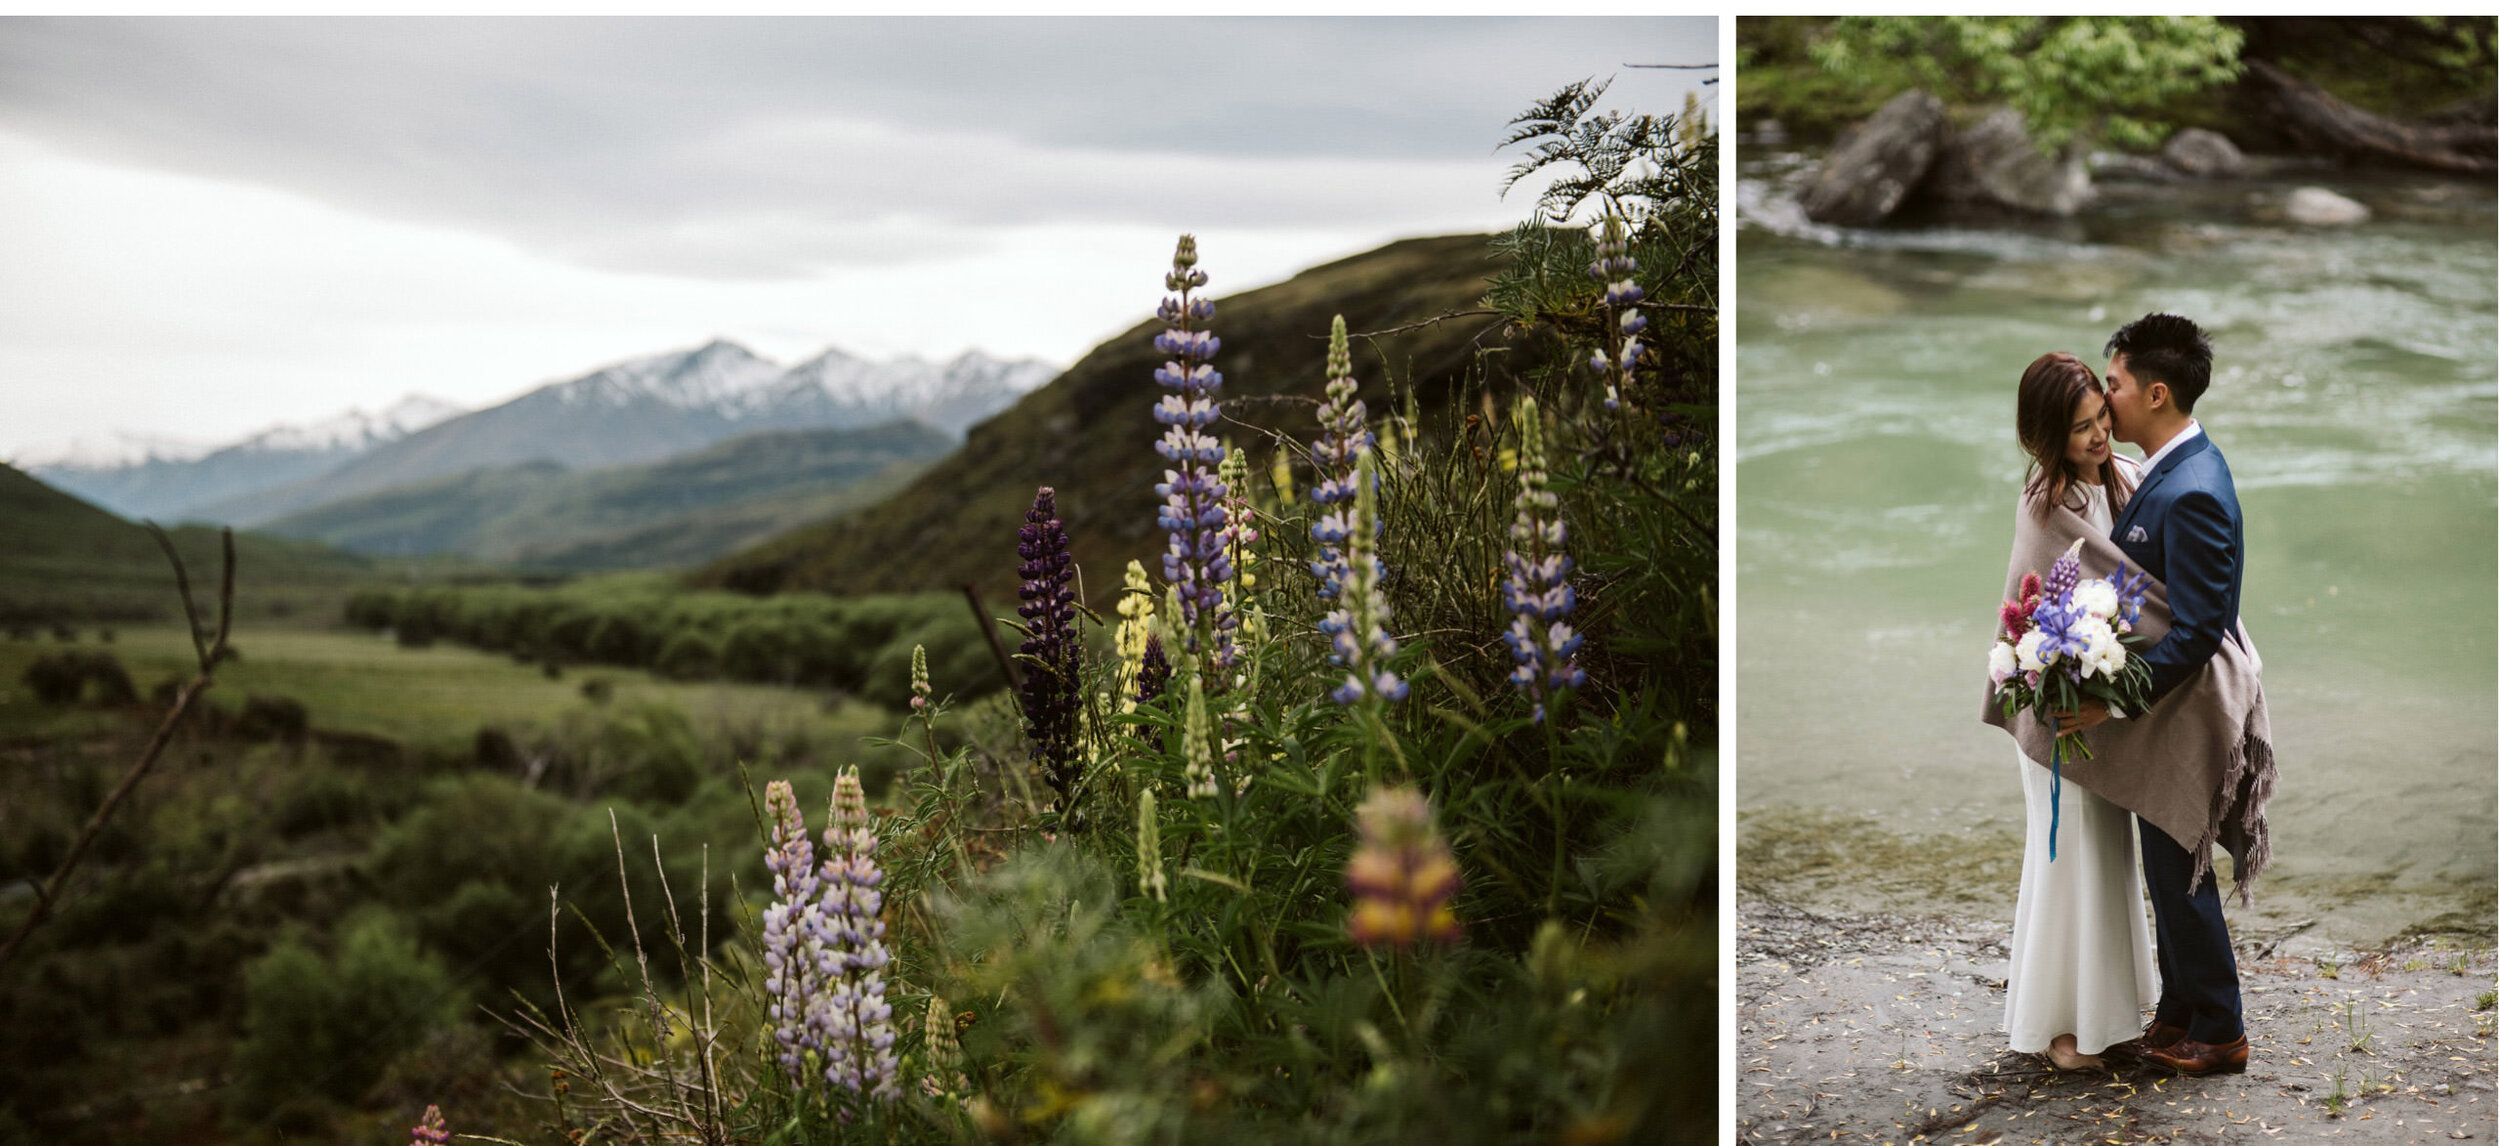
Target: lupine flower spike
{"type": "Point", "coordinates": [1048, 606]}
{"type": "Point", "coordinates": [1614, 267]}
{"type": "Point", "coordinates": [1538, 590]}
{"type": "Point", "coordinates": [1341, 436]}
{"type": "Point", "coordinates": [1193, 497]}
{"type": "Point", "coordinates": [1154, 672]}
{"type": "Point", "coordinates": [920, 692]}
{"type": "Point", "coordinates": [1240, 535]}
{"type": "Point", "coordinates": [853, 1017]}
{"type": "Point", "coordinates": [1401, 874]}
{"type": "Point", "coordinates": [1198, 740]}
{"type": "Point", "coordinates": [1358, 627]}
{"type": "Point", "coordinates": [429, 1130]}
{"type": "Point", "coordinates": [793, 930]}
{"type": "Point", "coordinates": [945, 1056]}
{"type": "Point", "coordinates": [1150, 879]}
{"type": "Point", "coordinates": [1137, 611]}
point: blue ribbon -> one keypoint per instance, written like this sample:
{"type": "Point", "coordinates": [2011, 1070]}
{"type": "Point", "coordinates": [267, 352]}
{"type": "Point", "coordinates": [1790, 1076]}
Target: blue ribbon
{"type": "Point", "coordinates": [2057, 781]}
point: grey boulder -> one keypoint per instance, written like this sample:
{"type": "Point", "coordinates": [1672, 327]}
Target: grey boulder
{"type": "Point", "coordinates": [1877, 163]}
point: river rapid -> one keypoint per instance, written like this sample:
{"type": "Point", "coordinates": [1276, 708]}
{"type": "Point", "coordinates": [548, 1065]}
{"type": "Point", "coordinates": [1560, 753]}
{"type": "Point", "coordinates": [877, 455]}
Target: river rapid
{"type": "Point", "coordinates": [1876, 475]}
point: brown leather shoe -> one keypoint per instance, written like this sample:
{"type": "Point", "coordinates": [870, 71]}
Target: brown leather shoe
{"type": "Point", "coordinates": [2157, 1035]}
{"type": "Point", "coordinates": [2188, 1056]}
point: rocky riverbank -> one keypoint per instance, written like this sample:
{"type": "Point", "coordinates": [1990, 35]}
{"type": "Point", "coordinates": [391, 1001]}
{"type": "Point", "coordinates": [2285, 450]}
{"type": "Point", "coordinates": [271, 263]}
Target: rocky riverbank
{"type": "Point", "coordinates": [1857, 1026]}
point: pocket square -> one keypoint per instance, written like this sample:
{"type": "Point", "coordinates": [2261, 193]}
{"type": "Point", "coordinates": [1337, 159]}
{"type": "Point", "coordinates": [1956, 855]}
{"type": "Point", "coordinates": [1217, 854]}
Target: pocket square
{"type": "Point", "coordinates": [2135, 533]}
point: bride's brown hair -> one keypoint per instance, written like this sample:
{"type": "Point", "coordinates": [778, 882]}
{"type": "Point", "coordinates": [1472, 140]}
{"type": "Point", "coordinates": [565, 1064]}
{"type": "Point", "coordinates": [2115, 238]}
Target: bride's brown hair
{"type": "Point", "coordinates": [2044, 417]}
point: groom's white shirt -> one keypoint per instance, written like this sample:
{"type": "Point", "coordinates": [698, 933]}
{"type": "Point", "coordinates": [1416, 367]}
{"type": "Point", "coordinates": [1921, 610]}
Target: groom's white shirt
{"type": "Point", "coordinates": [2177, 440]}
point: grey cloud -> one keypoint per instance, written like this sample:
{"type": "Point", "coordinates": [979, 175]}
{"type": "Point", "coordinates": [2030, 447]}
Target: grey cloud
{"type": "Point", "coordinates": [685, 145]}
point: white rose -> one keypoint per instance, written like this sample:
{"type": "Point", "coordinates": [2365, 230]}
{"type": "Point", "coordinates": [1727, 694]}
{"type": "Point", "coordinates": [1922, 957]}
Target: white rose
{"type": "Point", "coordinates": [2102, 654]}
{"type": "Point", "coordinates": [2098, 598]}
{"type": "Point", "coordinates": [2027, 652]}
{"type": "Point", "coordinates": [2000, 662]}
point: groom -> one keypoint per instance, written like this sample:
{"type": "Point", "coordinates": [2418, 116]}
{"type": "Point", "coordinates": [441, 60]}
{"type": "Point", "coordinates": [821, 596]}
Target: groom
{"type": "Point", "coordinates": [2182, 525]}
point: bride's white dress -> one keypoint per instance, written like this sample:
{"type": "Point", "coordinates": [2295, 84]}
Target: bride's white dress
{"type": "Point", "coordinates": [2082, 951]}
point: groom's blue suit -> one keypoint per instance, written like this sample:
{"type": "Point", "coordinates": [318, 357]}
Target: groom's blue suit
{"type": "Point", "coordinates": [2183, 526]}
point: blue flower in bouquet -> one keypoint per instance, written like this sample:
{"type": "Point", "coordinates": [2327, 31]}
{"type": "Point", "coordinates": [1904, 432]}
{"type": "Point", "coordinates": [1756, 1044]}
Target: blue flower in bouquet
{"type": "Point", "coordinates": [2131, 588]}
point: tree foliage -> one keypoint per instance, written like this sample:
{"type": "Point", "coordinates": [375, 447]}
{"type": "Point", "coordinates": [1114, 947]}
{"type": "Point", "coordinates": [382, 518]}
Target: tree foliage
{"type": "Point", "coordinates": [2074, 79]}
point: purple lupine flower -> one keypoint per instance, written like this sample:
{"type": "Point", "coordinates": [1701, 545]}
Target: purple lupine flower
{"type": "Point", "coordinates": [1048, 607]}
{"type": "Point", "coordinates": [429, 1130]}
{"type": "Point", "coordinates": [2064, 573]}
{"type": "Point", "coordinates": [1358, 628]}
{"type": "Point", "coordinates": [1342, 435]}
{"type": "Point", "coordinates": [792, 928]}
{"type": "Point", "coordinates": [1614, 267]}
{"type": "Point", "coordinates": [1538, 591]}
{"type": "Point", "coordinates": [1154, 671]}
{"type": "Point", "coordinates": [852, 1016]}
{"type": "Point", "coordinates": [1195, 561]}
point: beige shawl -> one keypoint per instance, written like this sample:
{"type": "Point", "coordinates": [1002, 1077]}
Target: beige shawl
{"type": "Point", "coordinates": [2200, 765]}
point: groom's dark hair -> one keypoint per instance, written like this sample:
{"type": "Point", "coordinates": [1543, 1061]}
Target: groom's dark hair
{"type": "Point", "coordinates": [2168, 349]}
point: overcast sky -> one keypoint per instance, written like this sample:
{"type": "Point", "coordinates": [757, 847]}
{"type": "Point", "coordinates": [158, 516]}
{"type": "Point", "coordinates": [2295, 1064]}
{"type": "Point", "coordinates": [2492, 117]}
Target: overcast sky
{"type": "Point", "coordinates": [214, 225]}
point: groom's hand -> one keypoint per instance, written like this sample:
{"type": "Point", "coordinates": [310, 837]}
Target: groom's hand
{"type": "Point", "coordinates": [2093, 712]}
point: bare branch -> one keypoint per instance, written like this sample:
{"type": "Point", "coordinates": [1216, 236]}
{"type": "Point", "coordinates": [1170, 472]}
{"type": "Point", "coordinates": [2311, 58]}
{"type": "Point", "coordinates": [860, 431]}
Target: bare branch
{"type": "Point", "coordinates": [1419, 324]}
{"type": "Point", "coordinates": [49, 895]}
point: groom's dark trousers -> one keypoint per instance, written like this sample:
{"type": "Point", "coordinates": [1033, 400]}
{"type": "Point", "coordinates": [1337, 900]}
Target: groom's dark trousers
{"type": "Point", "coordinates": [2182, 525]}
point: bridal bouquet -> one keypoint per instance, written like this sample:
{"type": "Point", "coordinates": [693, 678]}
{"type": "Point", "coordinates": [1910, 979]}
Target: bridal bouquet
{"type": "Point", "coordinates": [2067, 639]}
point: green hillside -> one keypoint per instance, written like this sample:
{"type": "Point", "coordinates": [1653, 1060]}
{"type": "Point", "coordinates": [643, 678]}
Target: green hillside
{"type": "Point", "coordinates": [676, 512]}
{"type": "Point", "coordinates": [64, 561]}
{"type": "Point", "coordinates": [1090, 433]}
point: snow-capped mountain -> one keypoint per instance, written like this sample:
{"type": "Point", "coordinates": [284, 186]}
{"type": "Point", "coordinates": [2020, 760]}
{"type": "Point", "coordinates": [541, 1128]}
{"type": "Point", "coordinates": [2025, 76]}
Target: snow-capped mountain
{"type": "Point", "coordinates": [951, 396]}
{"type": "Point", "coordinates": [176, 481]}
{"type": "Point", "coordinates": [658, 406]}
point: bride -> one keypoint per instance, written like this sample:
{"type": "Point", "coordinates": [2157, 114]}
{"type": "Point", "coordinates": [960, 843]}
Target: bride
{"type": "Point", "coordinates": [2082, 967]}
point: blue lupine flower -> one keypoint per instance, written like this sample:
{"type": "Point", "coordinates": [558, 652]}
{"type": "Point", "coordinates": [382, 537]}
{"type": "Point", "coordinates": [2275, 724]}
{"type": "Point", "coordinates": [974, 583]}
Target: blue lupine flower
{"type": "Point", "coordinates": [1195, 562]}
{"type": "Point", "coordinates": [1048, 606]}
{"type": "Point", "coordinates": [1538, 591]}
{"type": "Point", "coordinates": [1614, 267]}
{"type": "Point", "coordinates": [1343, 439]}
{"type": "Point", "coordinates": [1358, 628]}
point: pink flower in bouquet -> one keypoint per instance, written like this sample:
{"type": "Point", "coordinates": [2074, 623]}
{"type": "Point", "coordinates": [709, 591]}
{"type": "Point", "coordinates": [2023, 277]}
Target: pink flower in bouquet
{"type": "Point", "coordinates": [2013, 620]}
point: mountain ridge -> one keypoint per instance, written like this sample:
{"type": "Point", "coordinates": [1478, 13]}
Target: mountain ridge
{"type": "Point", "coordinates": [1089, 433]}
{"type": "Point", "coordinates": [629, 411]}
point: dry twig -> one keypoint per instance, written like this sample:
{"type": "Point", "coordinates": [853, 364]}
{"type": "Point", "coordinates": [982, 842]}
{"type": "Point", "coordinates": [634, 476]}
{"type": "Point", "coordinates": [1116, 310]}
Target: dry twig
{"type": "Point", "coordinates": [47, 896]}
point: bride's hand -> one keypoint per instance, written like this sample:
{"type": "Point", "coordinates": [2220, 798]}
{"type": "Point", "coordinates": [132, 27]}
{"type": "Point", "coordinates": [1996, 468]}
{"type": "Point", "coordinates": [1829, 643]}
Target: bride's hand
{"type": "Point", "coordinates": [2093, 712]}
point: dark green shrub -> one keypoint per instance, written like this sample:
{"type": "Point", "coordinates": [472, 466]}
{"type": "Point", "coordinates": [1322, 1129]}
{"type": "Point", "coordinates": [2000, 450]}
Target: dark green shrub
{"type": "Point", "coordinates": [68, 677]}
{"type": "Point", "coordinates": [373, 609]}
{"type": "Point", "coordinates": [327, 1027]}
{"type": "Point", "coordinates": [689, 655]}
{"type": "Point", "coordinates": [619, 639]}
{"type": "Point", "coordinates": [318, 798]}
{"type": "Point", "coordinates": [960, 663]}
{"type": "Point", "coordinates": [272, 718]}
